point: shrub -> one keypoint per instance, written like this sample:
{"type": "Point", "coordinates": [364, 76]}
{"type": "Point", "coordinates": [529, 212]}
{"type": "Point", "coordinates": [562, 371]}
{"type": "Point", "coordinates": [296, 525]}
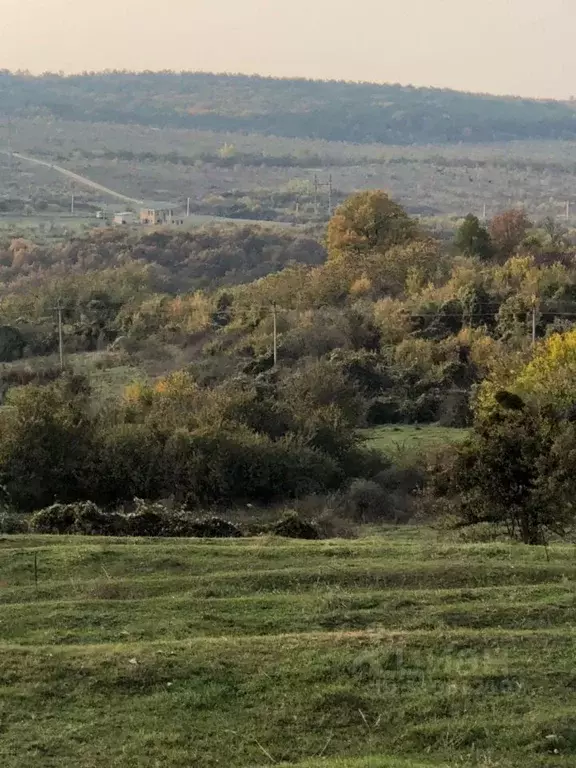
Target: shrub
{"type": "Point", "coordinates": [90, 520]}
{"type": "Point", "coordinates": [367, 502]}
{"type": "Point", "coordinates": [147, 519]}
{"type": "Point", "coordinates": [331, 525]}
{"type": "Point", "coordinates": [58, 518]}
{"type": "Point", "coordinates": [82, 517]}
{"type": "Point", "coordinates": [29, 372]}
{"type": "Point", "coordinates": [481, 533]}
{"type": "Point", "coordinates": [128, 464]}
{"type": "Point", "coordinates": [12, 523]}
{"type": "Point", "coordinates": [427, 407]}
{"type": "Point", "coordinates": [47, 445]}
{"type": "Point", "coordinates": [293, 527]}
{"type": "Point", "coordinates": [12, 344]}
{"type": "Point", "coordinates": [403, 480]}
{"type": "Point", "coordinates": [214, 528]}
{"type": "Point", "coordinates": [455, 410]}
{"type": "Point", "coordinates": [384, 411]}
{"type": "Point", "coordinates": [219, 467]}
{"type": "Point", "coordinates": [153, 519]}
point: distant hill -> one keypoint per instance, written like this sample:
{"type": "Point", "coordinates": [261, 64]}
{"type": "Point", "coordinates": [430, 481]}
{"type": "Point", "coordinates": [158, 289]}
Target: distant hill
{"type": "Point", "coordinates": [337, 111]}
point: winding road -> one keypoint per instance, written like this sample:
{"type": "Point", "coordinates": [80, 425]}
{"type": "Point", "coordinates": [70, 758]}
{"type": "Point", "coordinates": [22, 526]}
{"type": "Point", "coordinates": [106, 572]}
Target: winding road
{"type": "Point", "coordinates": [74, 177]}
{"type": "Point", "coordinates": [125, 198]}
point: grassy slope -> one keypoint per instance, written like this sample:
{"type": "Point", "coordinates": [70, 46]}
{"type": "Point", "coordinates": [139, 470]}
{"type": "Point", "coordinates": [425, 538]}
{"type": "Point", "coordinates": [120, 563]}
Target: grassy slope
{"type": "Point", "coordinates": [241, 653]}
{"type": "Point", "coordinates": [409, 439]}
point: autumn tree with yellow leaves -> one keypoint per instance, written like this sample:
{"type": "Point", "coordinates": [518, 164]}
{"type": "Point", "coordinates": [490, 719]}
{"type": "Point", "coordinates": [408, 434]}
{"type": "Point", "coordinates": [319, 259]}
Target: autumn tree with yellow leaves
{"type": "Point", "coordinates": [369, 222]}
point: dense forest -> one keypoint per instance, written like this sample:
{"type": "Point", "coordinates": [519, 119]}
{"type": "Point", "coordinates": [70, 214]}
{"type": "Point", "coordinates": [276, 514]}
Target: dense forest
{"type": "Point", "coordinates": [179, 260]}
{"type": "Point", "coordinates": [231, 367]}
{"type": "Point", "coordinates": [337, 111]}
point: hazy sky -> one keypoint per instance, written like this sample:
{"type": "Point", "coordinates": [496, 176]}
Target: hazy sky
{"type": "Point", "coordinates": [501, 46]}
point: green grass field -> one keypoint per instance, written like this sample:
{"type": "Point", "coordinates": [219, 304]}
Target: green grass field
{"type": "Point", "coordinates": [409, 440]}
{"type": "Point", "coordinates": [403, 650]}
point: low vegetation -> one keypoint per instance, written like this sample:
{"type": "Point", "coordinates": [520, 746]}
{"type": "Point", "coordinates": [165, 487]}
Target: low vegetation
{"type": "Point", "coordinates": [408, 441]}
{"type": "Point", "coordinates": [402, 650]}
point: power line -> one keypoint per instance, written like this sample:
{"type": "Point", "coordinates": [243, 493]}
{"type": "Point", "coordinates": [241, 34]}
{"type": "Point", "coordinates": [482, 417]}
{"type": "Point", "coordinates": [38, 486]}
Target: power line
{"type": "Point", "coordinates": [318, 186]}
{"type": "Point", "coordinates": [541, 309]}
{"type": "Point", "coordinates": [58, 308]}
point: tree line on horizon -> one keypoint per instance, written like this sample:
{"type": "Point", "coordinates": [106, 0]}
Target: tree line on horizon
{"type": "Point", "coordinates": [298, 108]}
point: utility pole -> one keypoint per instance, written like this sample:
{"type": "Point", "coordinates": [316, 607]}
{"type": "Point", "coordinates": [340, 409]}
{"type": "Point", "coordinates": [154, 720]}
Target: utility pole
{"type": "Point", "coordinates": [10, 150]}
{"type": "Point", "coordinates": [568, 210]}
{"type": "Point", "coordinates": [72, 205]}
{"type": "Point", "coordinates": [534, 306]}
{"type": "Point", "coordinates": [484, 214]}
{"type": "Point", "coordinates": [275, 333]}
{"type": "Point", "coordinates": [188, 208]}
{"type": "Point", "coordinates": [60, 335]}
{"type": "Point", "coordinates": [320, 187]}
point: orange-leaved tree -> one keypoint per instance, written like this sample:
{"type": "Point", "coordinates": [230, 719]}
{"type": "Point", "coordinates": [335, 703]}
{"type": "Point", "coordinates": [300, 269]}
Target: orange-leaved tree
{"type": "Point", "coordinates": [369, 222]}
{"type": "Point", "coordinates": [508, 230]}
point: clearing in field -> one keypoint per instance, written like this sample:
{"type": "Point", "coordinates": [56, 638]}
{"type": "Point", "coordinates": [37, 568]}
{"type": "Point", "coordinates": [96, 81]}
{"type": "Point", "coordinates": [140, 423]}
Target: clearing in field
{"type": "Point", "coordinates": [398, 651]}
{"type": "Point", "coordinates": [412, 439]}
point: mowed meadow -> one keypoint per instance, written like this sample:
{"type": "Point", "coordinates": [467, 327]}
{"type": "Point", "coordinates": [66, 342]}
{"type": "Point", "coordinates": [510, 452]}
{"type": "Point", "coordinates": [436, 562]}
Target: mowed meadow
{"type": "Point", "coordinates": [404, 649]}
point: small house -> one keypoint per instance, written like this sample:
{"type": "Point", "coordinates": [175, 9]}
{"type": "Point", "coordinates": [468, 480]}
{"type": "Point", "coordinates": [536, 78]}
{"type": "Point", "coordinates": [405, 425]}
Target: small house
{"type": "Point", "coordinates": [155, 217]}
{"type": "Point", "coordinates": [124, 218]}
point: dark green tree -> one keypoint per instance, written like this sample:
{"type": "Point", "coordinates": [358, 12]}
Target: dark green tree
{"type": "Point", "coordinates": [478, 307]}
{"type": "Point", "coordinates": [12, 344]}
{"type": "Point", "coordinates": [515, 470]}
{"type": "Point", "coordinates": [47, 450]}
{"type": "Point", "coordinates": [472, 239]}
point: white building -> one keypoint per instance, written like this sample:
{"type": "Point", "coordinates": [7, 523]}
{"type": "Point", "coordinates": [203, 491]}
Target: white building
{"type": "Point", "coordinates": [127, 217]}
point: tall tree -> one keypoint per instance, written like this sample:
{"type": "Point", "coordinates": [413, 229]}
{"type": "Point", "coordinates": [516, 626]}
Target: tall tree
{"type": "Point", "coordinates": [472, 239]}
{"type": "Point", "coordinates": [369, 222]}
{"type": "Point", "coordinates": [555, 232]}
{"type": "Point", "coordinates": [47, 448]}
{"type": "Point", "coordinates": [508, 230]}
{"type": "Point", "coordinates": [503, 473]}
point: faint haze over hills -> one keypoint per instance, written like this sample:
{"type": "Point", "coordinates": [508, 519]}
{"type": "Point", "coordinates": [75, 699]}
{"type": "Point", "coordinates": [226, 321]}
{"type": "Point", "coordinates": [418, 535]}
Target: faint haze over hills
{"type": "Point", "coordinates": [300, 109]}
{"type": "Point", "coordinates": [520, 47]}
